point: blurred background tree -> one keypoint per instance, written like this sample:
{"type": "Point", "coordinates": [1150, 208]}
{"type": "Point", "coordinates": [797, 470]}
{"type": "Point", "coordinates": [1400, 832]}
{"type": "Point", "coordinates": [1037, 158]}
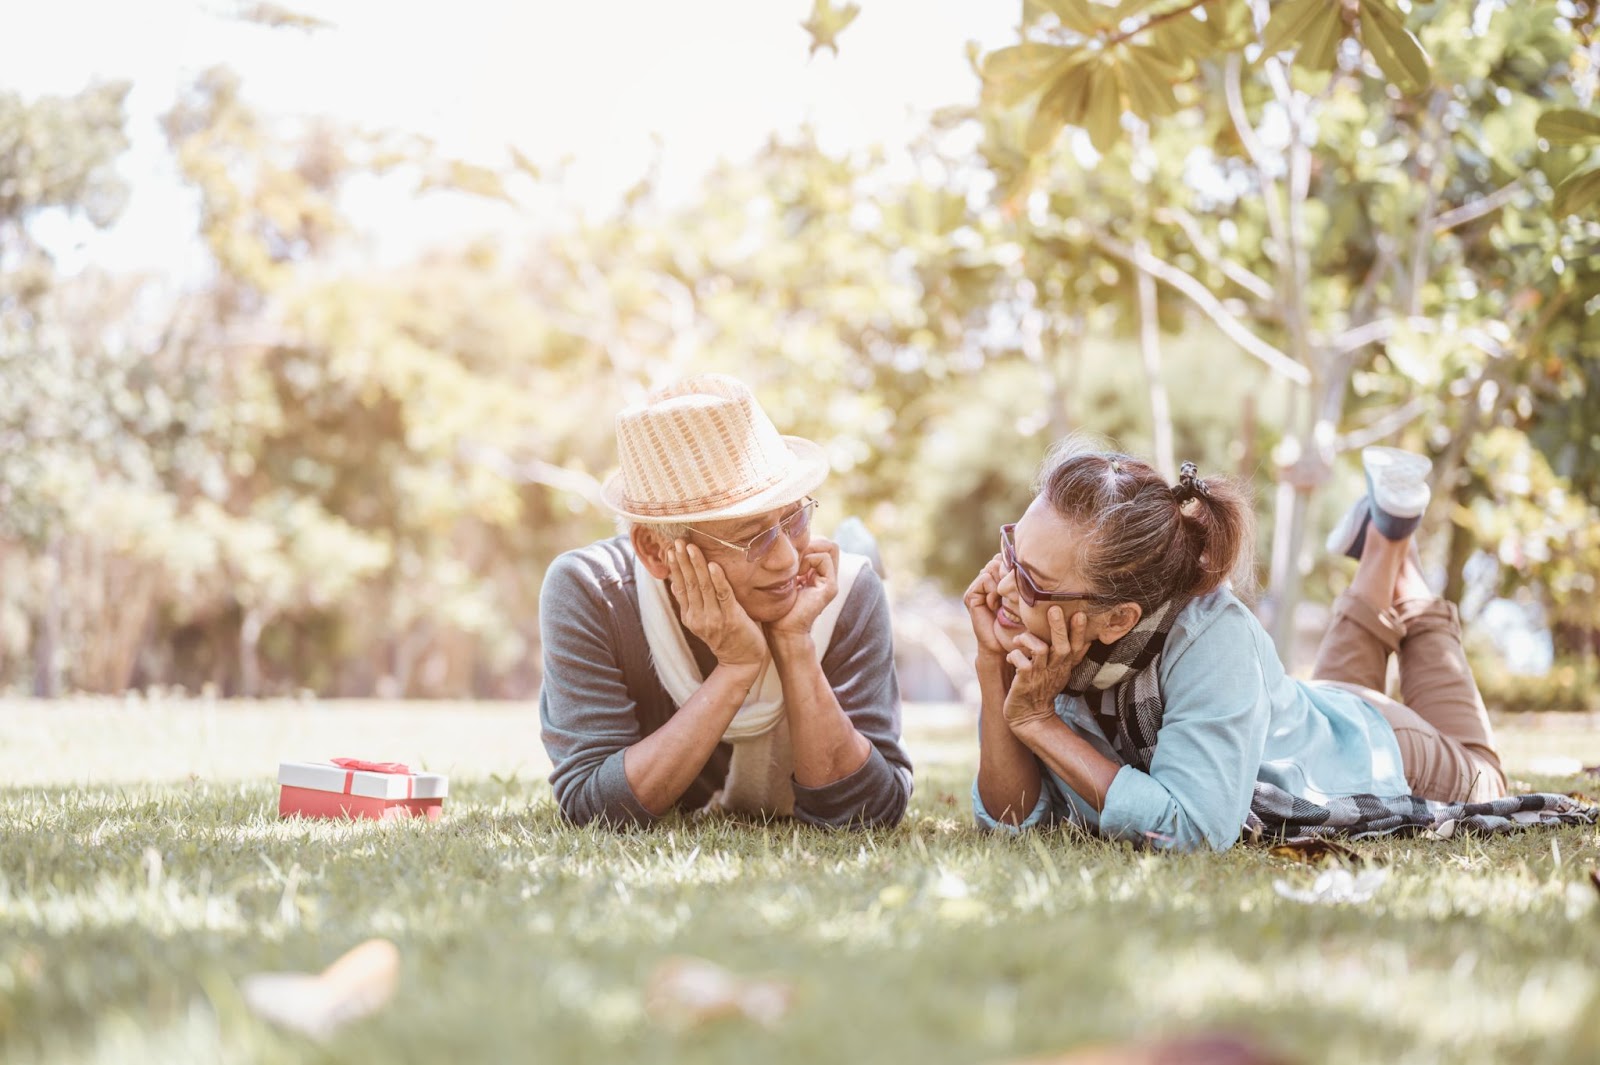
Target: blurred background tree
{"type": "Point", "coordinates": [1255, 235]}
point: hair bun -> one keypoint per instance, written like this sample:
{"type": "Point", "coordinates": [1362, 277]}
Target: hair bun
{"type": "Point", "coordinates": [1189, 484]}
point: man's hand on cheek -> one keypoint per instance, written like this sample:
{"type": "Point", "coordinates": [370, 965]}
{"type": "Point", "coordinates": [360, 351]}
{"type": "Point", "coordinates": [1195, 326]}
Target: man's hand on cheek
{"type": "Point", "coordinates": [816, 585]}
{"type": "Point", "coordinates": [708, 609]}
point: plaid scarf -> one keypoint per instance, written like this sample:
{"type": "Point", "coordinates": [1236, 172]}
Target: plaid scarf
{"type": "Point", "coordinates": [1129, 671]}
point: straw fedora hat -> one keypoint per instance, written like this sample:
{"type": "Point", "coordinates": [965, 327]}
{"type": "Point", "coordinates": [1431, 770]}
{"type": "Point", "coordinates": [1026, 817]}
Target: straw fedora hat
{"type": "Point", "coordinates": [704, 450]}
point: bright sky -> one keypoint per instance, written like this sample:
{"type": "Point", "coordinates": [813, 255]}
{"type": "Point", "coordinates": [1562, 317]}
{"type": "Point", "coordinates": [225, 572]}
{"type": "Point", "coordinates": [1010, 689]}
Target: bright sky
{"type": "Point", "coordinates": [606, 85]}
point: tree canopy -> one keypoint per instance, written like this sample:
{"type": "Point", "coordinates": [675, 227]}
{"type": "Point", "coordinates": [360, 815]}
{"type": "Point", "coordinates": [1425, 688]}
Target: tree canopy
{"type": "Point", "coordinates": [1256, 235]}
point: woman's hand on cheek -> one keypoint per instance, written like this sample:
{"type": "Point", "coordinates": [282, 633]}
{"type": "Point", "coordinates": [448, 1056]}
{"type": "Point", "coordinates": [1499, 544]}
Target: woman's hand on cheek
{"type": "Point", "coordinates": [1042, 669]}
{"type": "Point", "coordinates": [982, 600]}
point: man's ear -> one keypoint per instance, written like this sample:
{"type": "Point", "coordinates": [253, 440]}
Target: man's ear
{"type": "Point", "coordinates": [648, 545]}
{"type": "Point", "coordinates": [1119, 621]}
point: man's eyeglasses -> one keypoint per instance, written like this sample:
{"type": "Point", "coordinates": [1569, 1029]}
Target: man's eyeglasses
{"type": "Point", "coordinates": [1031, 593]}
{"type": "Point", "coordinates": [796, 526]}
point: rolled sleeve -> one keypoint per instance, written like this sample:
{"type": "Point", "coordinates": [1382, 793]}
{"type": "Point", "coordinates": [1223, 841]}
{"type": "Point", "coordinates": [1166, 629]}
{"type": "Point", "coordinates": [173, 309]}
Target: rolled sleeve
{"type": "Point", "coordinates": [875, 794]}
{"type": "Point", "coordinates": [605, 795]}
{"type": "Point", "coordinates": [859, 667]}
{"type": "Point", "coordinates": [1036, 817]}
{"type": "Point", "coordinates": [587, 718]}
{"type": "Point", "coordinates": [1138, 808]}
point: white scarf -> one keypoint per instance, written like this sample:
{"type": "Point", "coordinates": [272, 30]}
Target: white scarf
{"type": "Point", "coordinates": [762, 767]}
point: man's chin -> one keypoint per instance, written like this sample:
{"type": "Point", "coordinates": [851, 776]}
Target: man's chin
{"type": "Point", "coordinates": [768, 608]}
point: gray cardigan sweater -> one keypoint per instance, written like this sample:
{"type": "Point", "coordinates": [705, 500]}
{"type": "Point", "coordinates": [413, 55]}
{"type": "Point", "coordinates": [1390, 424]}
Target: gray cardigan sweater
{"type": "Point", "coordinates": [601, 695]}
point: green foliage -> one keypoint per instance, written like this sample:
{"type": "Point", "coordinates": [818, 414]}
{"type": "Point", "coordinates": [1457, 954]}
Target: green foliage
{"type": "Point", "coordinates": [305, 475]}
{"type": "Point", "coordinates": [1398, 53]}
{"type": "Point", "coordinates": [277, 16]}
{"type": "Point", "coordinates": [57, 152]}
{"type": "Point", "coordinates": [1391, 252]}
{"type": "Point", "coordinates": [1571, 686]}
{"type": "Point", "coordinates": [1565, 126]}
{"type": "Point", "coordinates": [1088, 64]}
{"type": "Point", "coordinates": [827, 21]}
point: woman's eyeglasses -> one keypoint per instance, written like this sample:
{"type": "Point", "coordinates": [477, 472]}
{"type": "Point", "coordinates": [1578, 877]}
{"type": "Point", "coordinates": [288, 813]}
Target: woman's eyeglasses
{"type": "Point", "coordinates": [796, 526]}
{"type": "Point", "coordinates": [1031, 593]}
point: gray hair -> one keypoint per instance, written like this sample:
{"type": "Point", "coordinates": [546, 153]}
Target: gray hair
{"type": "Point", "coordinates": [665, 532]}
{"type": "Point", "coordinates": [1146, 541]}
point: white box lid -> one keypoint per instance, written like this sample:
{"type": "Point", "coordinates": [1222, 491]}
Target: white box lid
{"type": "Point", "coordinates": [325, 776]}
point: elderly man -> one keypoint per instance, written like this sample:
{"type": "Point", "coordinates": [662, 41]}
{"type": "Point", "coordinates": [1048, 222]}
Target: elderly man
{"type": "Point", "coordinates": [718, 655]}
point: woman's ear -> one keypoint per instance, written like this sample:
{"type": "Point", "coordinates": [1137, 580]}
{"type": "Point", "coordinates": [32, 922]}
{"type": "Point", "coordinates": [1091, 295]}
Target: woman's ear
{"type": "Point", "coordinates": [1119, 621]}
{"type": "Point", "coordinates": [647, 544]}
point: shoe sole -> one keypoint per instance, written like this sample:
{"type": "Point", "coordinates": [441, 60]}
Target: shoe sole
{"type": "Point", "coordinates": [1396, 515]}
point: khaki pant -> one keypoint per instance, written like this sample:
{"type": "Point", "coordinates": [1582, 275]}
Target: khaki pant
{"type": "Point", "coordinates": [1446, 742]}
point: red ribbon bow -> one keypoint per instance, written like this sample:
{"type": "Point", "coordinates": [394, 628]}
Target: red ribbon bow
{"type": "Point", "coordinates": [372, 767]}
{"type": "Point", "coordinates": [352, 766]}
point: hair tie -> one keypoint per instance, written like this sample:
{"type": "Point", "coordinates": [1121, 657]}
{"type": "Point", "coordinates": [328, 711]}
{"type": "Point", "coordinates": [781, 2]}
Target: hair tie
{"type": "Point", "coordinates": [1189, 484]}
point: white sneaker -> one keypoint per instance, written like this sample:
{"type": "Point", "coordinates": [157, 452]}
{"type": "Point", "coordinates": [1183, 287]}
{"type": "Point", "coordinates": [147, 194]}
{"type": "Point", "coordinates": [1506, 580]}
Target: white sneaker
{"type": "Point", "coordinates": [1397, 485]}
{"type": "Point", "coordinates": [1350, 535]}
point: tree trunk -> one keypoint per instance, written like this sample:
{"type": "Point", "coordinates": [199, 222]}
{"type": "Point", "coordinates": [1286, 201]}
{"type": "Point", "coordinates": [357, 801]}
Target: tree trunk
{"type": "Point", "coordinates": [1459, 551]}
{"type": "Point", "coordinates": [1150, 351]}
{"type": "Point", "coordinates": [47, 636]}
{"type": "Point", "coordinates": [1248, 437]}
{"type": "Point", "coordinates": [1289, 523]}
{"type": "Point", "coordinates": [249, 653]}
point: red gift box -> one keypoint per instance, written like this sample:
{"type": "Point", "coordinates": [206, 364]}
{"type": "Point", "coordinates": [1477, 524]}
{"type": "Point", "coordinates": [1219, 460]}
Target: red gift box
{"type": "Point", "coordinates": [348, 788]}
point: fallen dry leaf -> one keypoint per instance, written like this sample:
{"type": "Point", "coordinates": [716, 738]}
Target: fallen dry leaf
{"type": "Point", "coordinates": [356, 985]}
{"type": "Point", "coordinates": [1205, 1049]}
{"type": "Point", "coordinates": [686, 992]}
{"type": "Point", "coordinates": [1315, 849]}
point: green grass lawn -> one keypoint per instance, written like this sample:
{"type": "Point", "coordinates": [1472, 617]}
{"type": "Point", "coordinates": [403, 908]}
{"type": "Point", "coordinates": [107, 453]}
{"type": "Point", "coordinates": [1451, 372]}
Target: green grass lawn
{"type": "Point", "coordinates": [143, 870]}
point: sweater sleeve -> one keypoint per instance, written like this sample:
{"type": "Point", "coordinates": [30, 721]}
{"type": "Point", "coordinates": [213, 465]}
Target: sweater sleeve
{"type": "Point", "coordinates": [587, 718]}
{"type": "Point", "coordinates": [1208, 751]}
{"type": "Point", "coordinates": [859, 665]}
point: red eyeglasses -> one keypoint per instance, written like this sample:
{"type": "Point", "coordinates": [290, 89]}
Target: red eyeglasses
{"type": "Point", "coordinates": [1031, 592]}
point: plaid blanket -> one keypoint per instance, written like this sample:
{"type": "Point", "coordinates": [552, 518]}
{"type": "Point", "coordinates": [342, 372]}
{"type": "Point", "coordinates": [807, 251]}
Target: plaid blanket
{"type": "Point", "coordinates": [1275, 814]}
{"type": "Point", "coordinates": [1121, 684]}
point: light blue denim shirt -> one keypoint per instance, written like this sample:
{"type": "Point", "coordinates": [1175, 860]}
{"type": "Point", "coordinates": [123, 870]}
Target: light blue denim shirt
{"type": "Point", "coordinates": [1233, 716]}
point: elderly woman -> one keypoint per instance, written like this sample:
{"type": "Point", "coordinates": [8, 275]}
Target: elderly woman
{"type": "Point", "coordinates": [1126, 688]}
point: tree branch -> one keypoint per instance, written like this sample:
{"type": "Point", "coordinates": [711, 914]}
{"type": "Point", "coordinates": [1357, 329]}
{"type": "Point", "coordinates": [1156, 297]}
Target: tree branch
{"type": "Point", "coordinates": [1384, 328]}
{"type": "Point", "coordinates": [1373, 332]}
{"type": "Point", "coordinates": [1471, 212]}
{"type": "Point", "coordinates": [1296, 187]}
{"type": "Point", "coordinates": [1211, 253]}
{"type": "Point", "coordinates": [1208, 304]}
{"type": "Point", "coordinates": [1254, 149]}
{"type": "Point", "coordinates": [1423, 240]}
{"type": "Point", "coordinates": [1154, 20]}
{"type": "Point", "coordinates": [1382, 262]}
{"type": "Point", "coordinates": [1380, 428]}
{"type": "Point", "coordinates": [534, 471]}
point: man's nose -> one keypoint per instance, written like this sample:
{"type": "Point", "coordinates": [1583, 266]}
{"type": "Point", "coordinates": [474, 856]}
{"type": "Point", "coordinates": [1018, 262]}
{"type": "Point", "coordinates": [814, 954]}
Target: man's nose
{"type": "Point", "coordinates": [783, 553]}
